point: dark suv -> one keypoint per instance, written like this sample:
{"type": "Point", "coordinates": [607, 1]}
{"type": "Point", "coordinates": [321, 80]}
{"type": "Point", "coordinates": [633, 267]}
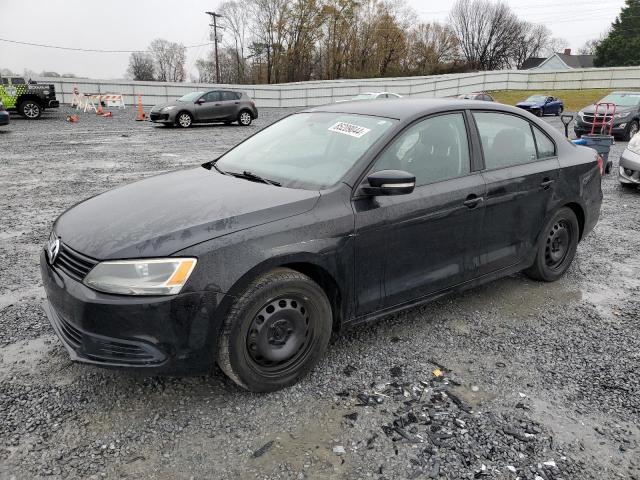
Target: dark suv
{"type": "Point", "coordinates": [226, 106]}
{"type": "Point", "coordinates": [29, 99]}
{"type": "Point", "coordinates": [626, 120]}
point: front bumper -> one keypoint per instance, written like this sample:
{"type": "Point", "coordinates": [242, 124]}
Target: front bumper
{"type": "Point", "coordinates": [161, 117]}
{"type": "Point", "coordinates": [629, 168]}
{"type": "Point", "coordinates": [173, 335]}
{"type": "Point", "coordinates": [584, 128]}
{"type": "Point", "coordinates": [4, 117]}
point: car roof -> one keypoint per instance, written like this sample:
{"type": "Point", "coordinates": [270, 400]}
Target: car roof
{"type": "Point", "coordinates": [408, 108]}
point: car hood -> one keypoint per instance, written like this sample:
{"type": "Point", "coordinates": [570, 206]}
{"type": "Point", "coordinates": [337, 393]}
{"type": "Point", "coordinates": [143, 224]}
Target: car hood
{"type": "Point", "coordinates": [157, 108]}
{"type": "Point", "coordinates": [163, 214]}
{"type": "Point", "coordinates": [528, 104]}
{"type": "Point", "coordinates": [592, 109]}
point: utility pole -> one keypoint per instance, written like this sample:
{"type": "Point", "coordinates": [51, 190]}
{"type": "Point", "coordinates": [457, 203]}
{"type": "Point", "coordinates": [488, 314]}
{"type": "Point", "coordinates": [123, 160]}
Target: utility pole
{"type": "Point", "coordinates": [214, 16]}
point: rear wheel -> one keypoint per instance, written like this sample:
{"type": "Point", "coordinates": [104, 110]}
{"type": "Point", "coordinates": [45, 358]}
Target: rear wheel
{"type": "Point", "coordinates": [184, 120]}
{"type": "Point", "coordinates": [30, 109]}
{"type": "Point", "coordinates": [244, 118]}
{"type": "Point", "coordinates": [556, 247]}
{"type": "Point", "coordinates": [276, 331]}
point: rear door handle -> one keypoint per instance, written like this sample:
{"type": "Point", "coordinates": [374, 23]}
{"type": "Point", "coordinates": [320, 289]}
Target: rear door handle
{"type": "Point", "coordinates": [546, 183]}
{"type": "Point", "coordinates": [472, 202]}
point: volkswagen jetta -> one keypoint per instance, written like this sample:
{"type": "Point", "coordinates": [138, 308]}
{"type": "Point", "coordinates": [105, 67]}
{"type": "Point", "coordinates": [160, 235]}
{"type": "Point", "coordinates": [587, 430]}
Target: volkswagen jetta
{"type": "Point", "coordinates": [328, 218]}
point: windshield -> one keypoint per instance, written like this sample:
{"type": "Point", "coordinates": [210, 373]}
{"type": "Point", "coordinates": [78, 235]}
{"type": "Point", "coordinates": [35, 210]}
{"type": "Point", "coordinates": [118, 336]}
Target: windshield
{"type": "Point", "coordinates": [364, 96]}
{"type": "Point", "coordinates": [536, 98]}
{"type": "Point", "coordinates": [306, 150]}
{"type": "Point", "coordinates": [191, 97]}
{"type": "Point", "coordinates": [623, 99]}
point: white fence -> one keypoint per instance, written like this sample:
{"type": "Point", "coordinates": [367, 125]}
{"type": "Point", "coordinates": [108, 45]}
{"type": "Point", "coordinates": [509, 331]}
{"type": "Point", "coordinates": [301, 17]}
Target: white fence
{"type": "Point", "coordinates": [304, 94]}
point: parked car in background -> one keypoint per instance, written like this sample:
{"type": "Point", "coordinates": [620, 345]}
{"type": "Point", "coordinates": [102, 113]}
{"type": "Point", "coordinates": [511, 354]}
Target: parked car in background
{"type": "Point", "coordinates": [625, 122]}
{"type": "Point", "coordinates": [225, 106]}
{"type": "Point", "coordinates": [476, 96]}
{"type": "Point", "coordinates": [29, 99]}
{"type": "Point", "coordinates": [376, 96]}
{"type": "Point", "coordinates": [541, 105]}
{"type": "Point", "coordinates": [328, 218]}
{"type": "Point", "coordinates": [629, 165]}
{"type": "Point", "coordinates": [4, 115]}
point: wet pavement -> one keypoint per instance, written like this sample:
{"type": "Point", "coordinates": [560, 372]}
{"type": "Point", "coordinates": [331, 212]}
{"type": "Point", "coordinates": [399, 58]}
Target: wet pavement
{"type": "Point", "coordinates": [512, 379]}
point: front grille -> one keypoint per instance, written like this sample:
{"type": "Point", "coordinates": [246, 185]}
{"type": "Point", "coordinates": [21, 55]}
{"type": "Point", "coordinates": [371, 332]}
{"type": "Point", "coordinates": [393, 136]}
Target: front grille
{"type": "Point", "coordinates": [74, 263]}
{"type": "Point", "coordinates": [71, 334]}
{"type": "Point", "coordinates": [601, 118]}
{"type": "Point", "coordinates": [110, 350]}
{"type": "Point", "coordinates": [105, 349]}
{"type": "Point", "coordinates": [159, 116]}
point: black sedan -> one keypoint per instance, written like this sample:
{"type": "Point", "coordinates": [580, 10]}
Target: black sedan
{"type": "Point", "coordinates": [328, 218]}
{"type": "Point", "coordinates": [4, 115]}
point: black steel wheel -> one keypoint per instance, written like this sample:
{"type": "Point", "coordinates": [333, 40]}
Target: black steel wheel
{"type": "Point", "coordinates": [276, 331]}
{"type": "Point", "coordinates": [556, 246]}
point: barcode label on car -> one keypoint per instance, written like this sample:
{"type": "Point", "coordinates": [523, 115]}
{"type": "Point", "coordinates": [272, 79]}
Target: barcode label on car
{"type": "Point", "coordinates": [349, 129]}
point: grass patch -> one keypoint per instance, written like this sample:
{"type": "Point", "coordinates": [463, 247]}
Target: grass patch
{"type": "Point", "coordinates": [573, 100]}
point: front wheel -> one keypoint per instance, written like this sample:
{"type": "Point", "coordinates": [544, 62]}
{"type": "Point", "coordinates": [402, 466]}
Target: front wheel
{"type": "Point", "coordinates": [244, 118]}
{"type": "Point", "coordinates": [560, 110]}
{"type": "Point", "coordinates": [276, 331]}
{"type": "Point", "coordinates": [184, 120]}
{"type": "Point", "coordinates": [30, 109]}
{"type": "Point", "coordinates": [557, 246]}
{"type": "Point", "coordinates": [632, 129]}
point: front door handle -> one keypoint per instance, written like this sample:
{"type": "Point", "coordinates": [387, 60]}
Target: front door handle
{"type": "Point", "coordinates": [546, 183]}
{"type": "Point", "coordinates": [472, 201]}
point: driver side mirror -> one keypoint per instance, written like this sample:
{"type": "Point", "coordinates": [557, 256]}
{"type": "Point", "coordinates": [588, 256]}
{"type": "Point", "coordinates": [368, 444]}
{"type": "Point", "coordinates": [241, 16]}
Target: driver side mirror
{"type": "Point", "coordinates": [389, 182]}
{"type": "Point", "coordinates": [200, 101]}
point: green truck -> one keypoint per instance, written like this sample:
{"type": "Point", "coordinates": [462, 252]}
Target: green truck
{"type": "Point", "coordinates": [29, 99]}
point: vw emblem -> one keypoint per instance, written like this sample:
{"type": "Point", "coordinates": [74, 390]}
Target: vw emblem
{"type": "Point", "coordinates": [53, 248]}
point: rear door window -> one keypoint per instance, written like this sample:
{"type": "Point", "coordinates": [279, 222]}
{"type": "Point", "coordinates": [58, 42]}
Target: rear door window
{"type": "Point", "coordinates": [506, 139]}
{"type": "Point", "coordinates": [18, 81]}
{"type": "Point", "coordinates": [227, 96]}
{"type": "Point", "coordinates": [546, 148]}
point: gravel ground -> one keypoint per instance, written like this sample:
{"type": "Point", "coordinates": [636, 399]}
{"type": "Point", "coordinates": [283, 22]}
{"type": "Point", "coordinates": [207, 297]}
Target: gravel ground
{"type": "Point", "coordinates": [515, 379]}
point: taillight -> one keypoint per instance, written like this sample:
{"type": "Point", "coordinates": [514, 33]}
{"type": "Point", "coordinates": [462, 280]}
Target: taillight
{"type": "Point", "coordinates": [600, 165]}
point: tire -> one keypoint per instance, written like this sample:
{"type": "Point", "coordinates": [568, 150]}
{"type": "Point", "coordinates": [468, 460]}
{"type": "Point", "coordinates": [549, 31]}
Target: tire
{"type": "Point", "coordinates": [560, 110]}
{"type": "Point", "coordinates": [556, 247]}
{"type": "Point", "coordinates": [632, 129]}
{"type": "Point", "coordinates": [538, 112]}
{"type": "Point", "coordinates": [608, 167]}
{"type": "Point", "coordinates": [276, 331]}
{"type": "Point", "coordinates": [245, 118]}
{"type": "Point", "coordinates": [184, 120]}
{"type": "Point", "coordinates": [30, 109]}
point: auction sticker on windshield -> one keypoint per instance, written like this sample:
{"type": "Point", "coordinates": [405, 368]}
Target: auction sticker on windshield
{"type": "Point", "coordinates": [349, 129]}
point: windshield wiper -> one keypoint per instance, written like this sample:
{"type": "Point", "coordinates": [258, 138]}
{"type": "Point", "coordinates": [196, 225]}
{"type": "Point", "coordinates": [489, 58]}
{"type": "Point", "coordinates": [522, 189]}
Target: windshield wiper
{"type": "Point", "coordinates": [254, 178]}
{"type": "Point", "coordinates": [218, 169]}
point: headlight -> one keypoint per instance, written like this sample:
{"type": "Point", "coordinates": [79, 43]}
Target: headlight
{"type": "Point", "coordinates": [634, 144]}
{"type": "Point", "coordinates": [581, 114]}
{"type": "Point", "coordinates": [168, 109]}
{"type": "Point", "coordinates": [45, 93]}
{"type": "Point", "coordinates": [163, 276]}
{"type": "Point", "coordinates": [622, 114]}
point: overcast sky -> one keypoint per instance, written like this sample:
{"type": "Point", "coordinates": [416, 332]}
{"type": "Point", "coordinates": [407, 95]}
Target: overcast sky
{"type": "Point", "coordinates": [132, 24]}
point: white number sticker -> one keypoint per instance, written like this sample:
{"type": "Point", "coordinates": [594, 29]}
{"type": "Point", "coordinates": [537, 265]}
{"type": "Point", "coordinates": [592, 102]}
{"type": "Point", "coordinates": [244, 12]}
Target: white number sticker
{"type": "Point", "coordinates": [349, 129]}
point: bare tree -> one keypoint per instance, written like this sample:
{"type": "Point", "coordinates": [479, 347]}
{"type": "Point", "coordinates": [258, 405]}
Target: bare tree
{"type": "Point", "coordinates": [532, 41]}
{"type": "Point", "coordinates": [169, 59]}
{"type": "Point", "coordinates": [141, 66]}
{"type": "Point", "coordinates": [430, 45]}
{"type": "Point", "coordinates": [486, 31]}
{"type": "Point", "coordinates": [235, 18]}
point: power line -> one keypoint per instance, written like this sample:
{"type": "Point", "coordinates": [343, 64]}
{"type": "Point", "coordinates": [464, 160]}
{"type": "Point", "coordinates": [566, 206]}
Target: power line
{"type": "Point", "coordinates": [93, 50]}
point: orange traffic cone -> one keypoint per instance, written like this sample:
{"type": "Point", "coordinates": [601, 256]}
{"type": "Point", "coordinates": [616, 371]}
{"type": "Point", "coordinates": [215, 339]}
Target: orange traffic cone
{"type": "Point", "coordinates": [107, 115]}
{"type": "Point", "coordinates": [100, 110]}
{"type": "Point", "coordinates": [73, 118]}
{"type": "Point", "coordinates": [140, 116]}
